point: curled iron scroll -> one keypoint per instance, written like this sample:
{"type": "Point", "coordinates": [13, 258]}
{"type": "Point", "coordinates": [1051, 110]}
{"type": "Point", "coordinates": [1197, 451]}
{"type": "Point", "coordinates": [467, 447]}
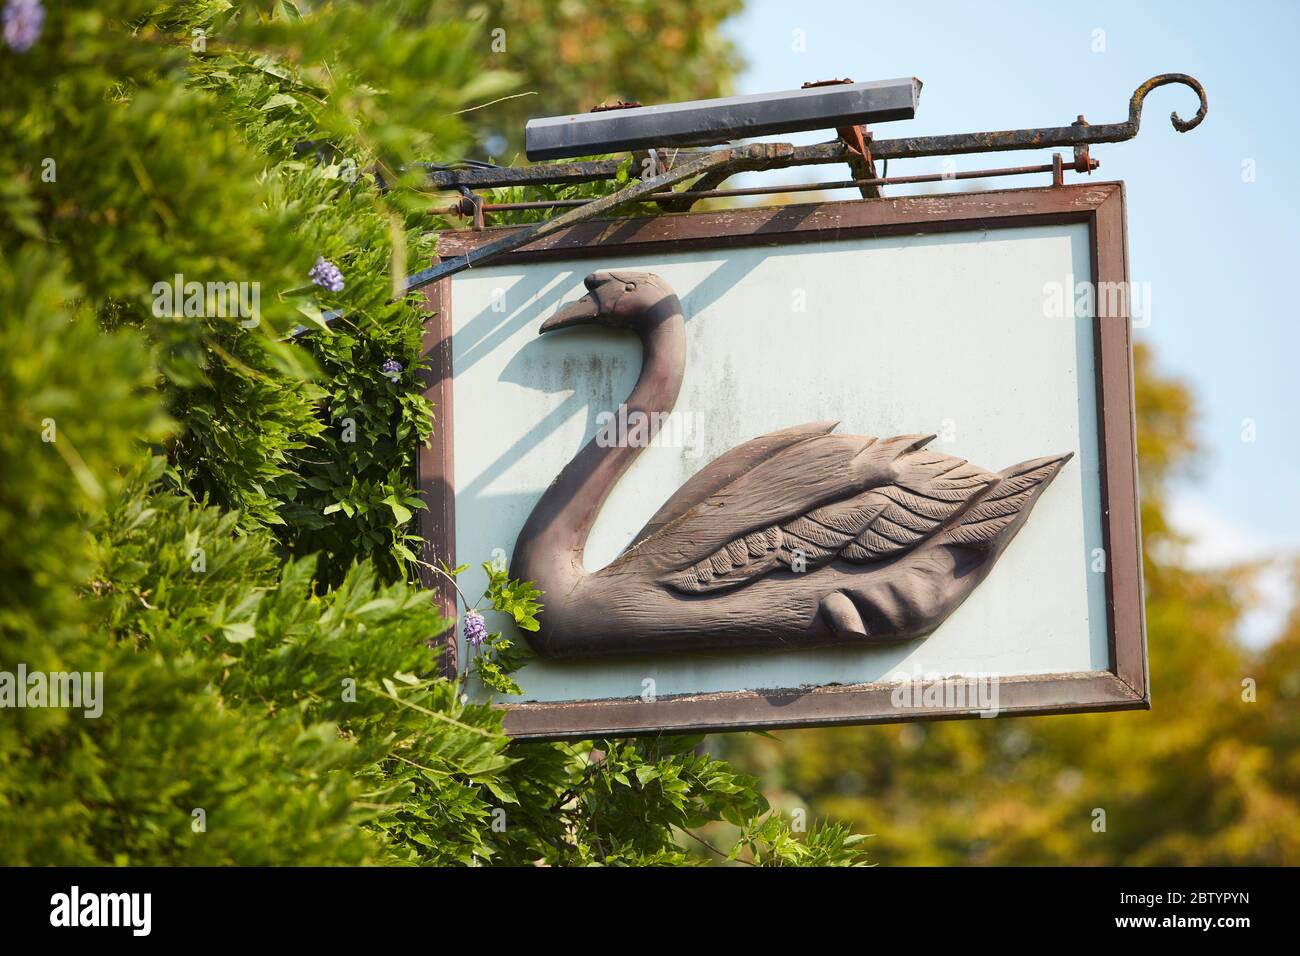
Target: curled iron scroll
{"type": "Point", "coordinates": [1165, 79]}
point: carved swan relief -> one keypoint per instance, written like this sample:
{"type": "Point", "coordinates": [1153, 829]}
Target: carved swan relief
{"type": "Point", "coordinates": [800, 538]}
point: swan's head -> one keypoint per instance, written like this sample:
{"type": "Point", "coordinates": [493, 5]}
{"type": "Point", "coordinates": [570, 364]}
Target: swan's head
{"type": "Point", "coordinates": [618, 300]}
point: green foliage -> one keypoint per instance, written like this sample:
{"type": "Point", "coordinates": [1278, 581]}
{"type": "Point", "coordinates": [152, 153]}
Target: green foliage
{"type": "Point", "coordinates": [217, 514]}
{"type": "Point", "coordinates": [516, 598]}
{"type": "Point", "coordinates": [563, 192]}
{"type": "Point", "coordinates": [494, 656]}
{"type": "Point", "coordinates": [59, 452]}
{"type": "Point", "coordinates": [622, 802]}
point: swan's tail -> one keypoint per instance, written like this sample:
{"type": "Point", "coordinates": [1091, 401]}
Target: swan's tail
{"type": "Point", "coordinates": [995, 518]}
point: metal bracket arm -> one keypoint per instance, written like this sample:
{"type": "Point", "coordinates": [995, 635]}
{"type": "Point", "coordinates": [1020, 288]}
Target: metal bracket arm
{"type": "Point", "coordinates": [759, 156]}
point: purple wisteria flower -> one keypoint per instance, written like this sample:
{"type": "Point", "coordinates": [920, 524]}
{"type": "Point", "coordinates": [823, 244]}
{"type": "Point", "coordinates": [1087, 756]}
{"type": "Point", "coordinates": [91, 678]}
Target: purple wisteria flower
{"type": "Point", "coordinates": [23, 20]}
{"type": "Point", "coordinates": [392, 369]}
{"type": "Point", "coordinates": [475, 629]}
{"type": "Point", "coordinates": [326, 274]}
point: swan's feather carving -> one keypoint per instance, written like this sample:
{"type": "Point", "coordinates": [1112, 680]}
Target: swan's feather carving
{"type": "Point", "coordinates": [995, 511]}
{"type": "Point", "coordinates": [931, 496]}
{"type": "Point", "coordinates": [724, 469]}
{"type": "Point", "coordinates": [804, 475]}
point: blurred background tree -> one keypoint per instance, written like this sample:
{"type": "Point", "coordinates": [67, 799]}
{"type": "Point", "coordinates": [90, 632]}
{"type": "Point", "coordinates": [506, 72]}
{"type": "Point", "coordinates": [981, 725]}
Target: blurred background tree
{"type": "Point", "coordinates": [1209, 776]}
{"type": "Point", "coordinates": [571, 55]}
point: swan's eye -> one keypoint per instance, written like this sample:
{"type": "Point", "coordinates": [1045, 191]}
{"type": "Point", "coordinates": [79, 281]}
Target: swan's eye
{"type": "Point", "coordinates": [630, 287]}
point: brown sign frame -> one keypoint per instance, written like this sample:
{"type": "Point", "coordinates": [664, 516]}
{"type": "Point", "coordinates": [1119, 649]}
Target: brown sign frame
{"type": "Point", "coordinates": [1123, 686]}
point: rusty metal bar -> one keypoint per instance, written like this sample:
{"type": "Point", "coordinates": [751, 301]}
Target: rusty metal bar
{"type": "Point", "coordinates": [1078, 134]}
{"type": "Point", "coordinates": [550, 174]}
{"type": "Point", "coordinates": [1055, 167]}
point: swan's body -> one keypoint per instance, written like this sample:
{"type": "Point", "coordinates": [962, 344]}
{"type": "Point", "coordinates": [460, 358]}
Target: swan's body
{"type": "Point", "coordinates": [798, 538]}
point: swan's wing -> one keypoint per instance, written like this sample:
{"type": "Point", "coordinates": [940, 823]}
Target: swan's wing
{"type": "Point", "coordinates": [931, 497]}
{"type": "Point", "coordinates": [803, 476]}
{"type": "Point", "coordinates": [726, 469]}
{"type": "Point", "coordinates": [889, 520]}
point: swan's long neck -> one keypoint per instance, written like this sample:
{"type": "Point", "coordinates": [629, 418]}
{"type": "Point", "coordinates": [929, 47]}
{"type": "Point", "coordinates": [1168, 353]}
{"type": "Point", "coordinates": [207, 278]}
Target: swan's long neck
{"type": "Point", "coordinates": [551, 545]}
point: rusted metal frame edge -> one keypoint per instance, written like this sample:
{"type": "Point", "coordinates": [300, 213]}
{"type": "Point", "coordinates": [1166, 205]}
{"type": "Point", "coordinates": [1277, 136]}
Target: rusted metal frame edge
{"type": "Point", "coordinates": [806, 222]}
{"type": "Point", "coordinates": [794, 708]}
{"type": "Point", "coordinates": [435, 470]}
{"type": "Point", "coordinates": [1116, 419]}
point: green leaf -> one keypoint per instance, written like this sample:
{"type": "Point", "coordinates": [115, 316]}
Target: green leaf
{"type": "Point", "coordinates": [238, 633]}
{"type": "Point", "coordinates": [400, 511]}
{"type": "Point", "coordinates": [279, 100]}
{"type": "Point", "coordinates": [313, 313]}
{"type": "Point", "coordinates": [501, 790]}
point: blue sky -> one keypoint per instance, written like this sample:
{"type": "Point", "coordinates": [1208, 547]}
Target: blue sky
{"type": "Point", "coordinates": [1219, 253]}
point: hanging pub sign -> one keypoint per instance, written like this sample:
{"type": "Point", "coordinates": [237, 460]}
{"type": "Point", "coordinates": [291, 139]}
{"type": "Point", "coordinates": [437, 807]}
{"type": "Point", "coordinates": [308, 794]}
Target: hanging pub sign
{"type": "Point", "coordinates": [832, 463]}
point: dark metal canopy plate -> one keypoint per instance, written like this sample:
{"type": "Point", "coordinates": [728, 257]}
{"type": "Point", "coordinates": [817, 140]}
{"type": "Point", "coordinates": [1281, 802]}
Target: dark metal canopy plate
{"type": "Point", "coordinates": [707, 122]}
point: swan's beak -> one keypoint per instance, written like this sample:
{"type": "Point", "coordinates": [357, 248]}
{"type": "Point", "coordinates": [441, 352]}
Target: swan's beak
{"type": "Point", "coordinates": [579, 312]}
